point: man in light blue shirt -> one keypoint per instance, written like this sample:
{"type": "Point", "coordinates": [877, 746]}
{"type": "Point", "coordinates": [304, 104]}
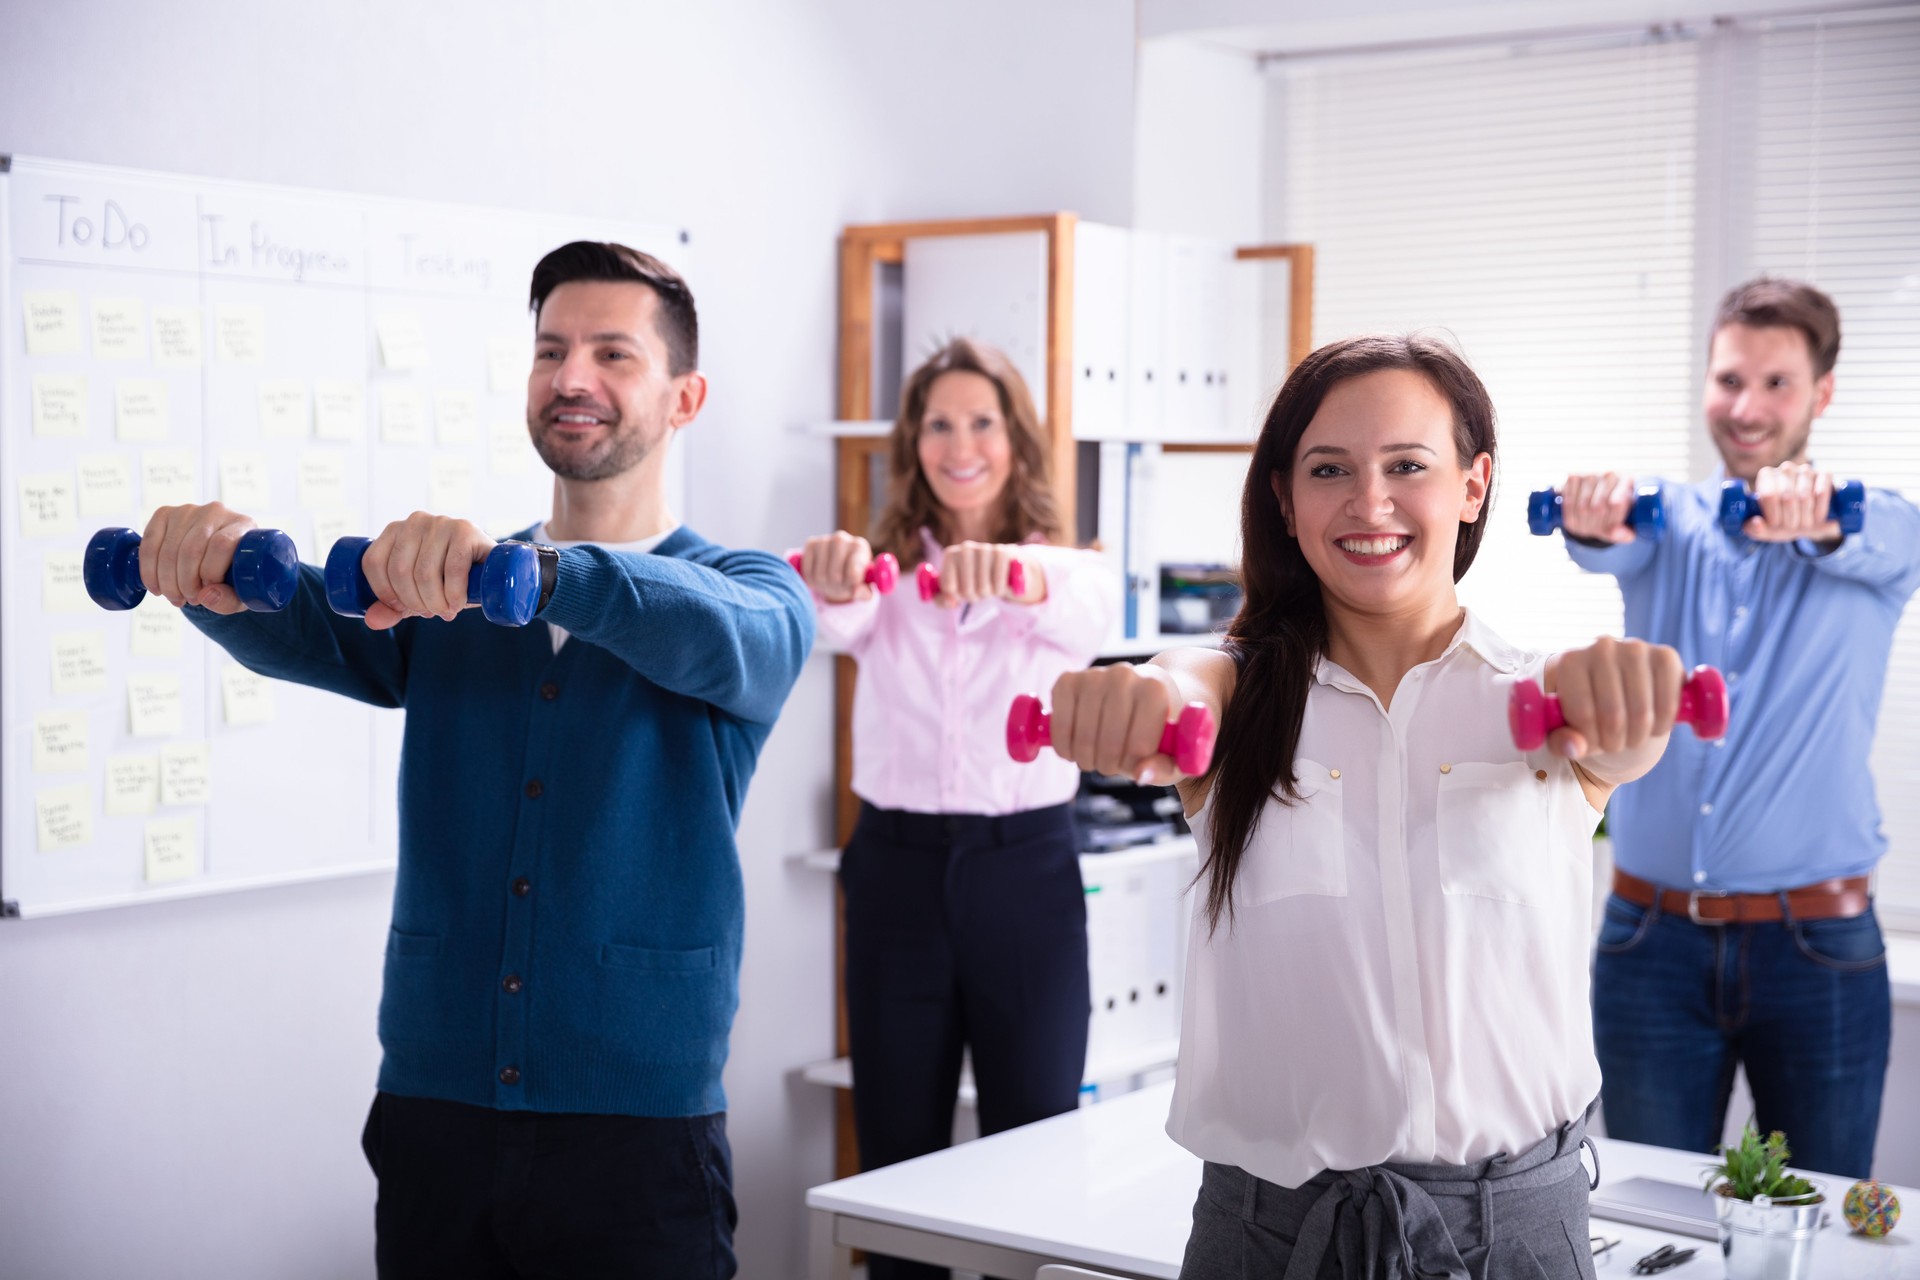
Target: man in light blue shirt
{"type": "Point", "coordinates": [1740, 929]}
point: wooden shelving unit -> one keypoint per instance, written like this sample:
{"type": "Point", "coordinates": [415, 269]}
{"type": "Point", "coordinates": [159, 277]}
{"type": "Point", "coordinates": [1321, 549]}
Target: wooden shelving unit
{"type": "Point", "coordinates": [864, 250]}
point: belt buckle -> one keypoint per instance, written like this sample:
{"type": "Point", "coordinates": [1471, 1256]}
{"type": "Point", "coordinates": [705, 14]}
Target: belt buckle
{"type": "Point", "coordinates": [1693, 905]}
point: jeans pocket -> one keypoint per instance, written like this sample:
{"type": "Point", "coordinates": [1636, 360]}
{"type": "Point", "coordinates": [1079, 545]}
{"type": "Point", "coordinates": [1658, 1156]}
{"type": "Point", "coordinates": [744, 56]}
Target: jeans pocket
{"type": "Point", "coordinates": [1852, 944]}
{"type": "Point", "coordinates": [1623, 926]}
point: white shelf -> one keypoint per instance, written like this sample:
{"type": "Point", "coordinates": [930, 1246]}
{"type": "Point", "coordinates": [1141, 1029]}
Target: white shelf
{"type": "Point", "coordinates": [837, 1073]}
{"type": "Point", "coordinates": [849, 427]}
{"type": "Point", "coordinates": [1145, 646]}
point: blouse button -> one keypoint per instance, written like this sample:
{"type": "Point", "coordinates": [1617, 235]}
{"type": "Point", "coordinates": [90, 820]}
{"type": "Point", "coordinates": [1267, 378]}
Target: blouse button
{"type": "Point", "coordinates": [1446, 768]}
{"type": "Point", "coordinates": [1333, 773]}
{"type": "Point", "coordinates": [1540, 774]}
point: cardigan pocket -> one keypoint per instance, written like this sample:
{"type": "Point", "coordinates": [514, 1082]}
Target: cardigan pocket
{"type": "Point", "coordinates": [671, 1005]}
{"type": "Point", "coordinates": [414, 1007]}
{"type": "Point", "coordinates": [618, 955]}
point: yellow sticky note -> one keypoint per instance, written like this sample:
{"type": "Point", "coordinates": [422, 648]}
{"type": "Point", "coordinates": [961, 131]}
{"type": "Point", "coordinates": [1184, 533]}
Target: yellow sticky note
{"type": "Point", "coordinates": [403, 340]}
{"type": "Point", "coordinates": [156, 629]}
{"type": "Point", "coordinates": [331, 526]}
{"type": "Point", "coordinates": [119, 329]}
{"type": "Point", "coordinates": [509, 451]}
{"type": "Point", "coordinates": [283, 408]}
{"type": "Point", "coordinates": [79, 662]}
{"type": "Point", "coordinates": [153, 704]}
{"type": "Point", "coordinates": [240, 334]}
{"type": "Point", "coordinates": [173, 849]}
{"type": "Point", "coordinates": [403, 415]}
{"type": "Point", "coordinates": [60, 742]}
{"type": "Point", "coordinates": [106, 484]}
{"type": "Point", "coordinates": [244, 482]}
{"type": "Point", "coordinates": [133, 785]}
{"type": "Point", "coordinates": [140, 409]}
{"type": "Point", "coordinates": [65, 816]}
{"type": "Point", "coordinates": [62, 589]}
{"type": "Point", "coordinates": [247, 696]}
{"type": "Point", "coordinates": [339, 410]}
{"type": "Point", "coordinates": [176, 337]}
{"type": "Point", "coordinates": [450, 486]}
{"type": "Point", "coordinates": [169, 478]}
{"type": "Point", "coordinates": [185, 773]}
{"type": "Point", "coordinates": [60, 404]}
{"type": "Point", "coordinates": [456, 416]}
{"type": "Point", "coordinates": [509, 361]}
{"type": "Point", "coordinates": [46, 505]}
{"type": "Point", "coordinates": [52, 322]}
{"type": "Point", "coordinates": [323, 479]}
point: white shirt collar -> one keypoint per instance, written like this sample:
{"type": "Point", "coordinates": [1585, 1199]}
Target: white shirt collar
{"type": "Point", "coordinates": [1472, 634]}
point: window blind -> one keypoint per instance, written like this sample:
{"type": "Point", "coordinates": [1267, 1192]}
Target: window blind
{"type": "Point", "coordinates": [1835, 176]}
{"type": "Point", "coordinates": [1536, 203]}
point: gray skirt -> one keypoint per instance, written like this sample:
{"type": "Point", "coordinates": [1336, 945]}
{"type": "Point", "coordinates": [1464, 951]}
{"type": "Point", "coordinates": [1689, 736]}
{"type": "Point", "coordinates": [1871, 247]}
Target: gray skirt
{"type": "Point", "coordinates": [1518, 1217]}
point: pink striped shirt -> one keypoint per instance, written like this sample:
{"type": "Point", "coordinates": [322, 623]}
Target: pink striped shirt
{"type": "Point", "coordinates": [930, 707]}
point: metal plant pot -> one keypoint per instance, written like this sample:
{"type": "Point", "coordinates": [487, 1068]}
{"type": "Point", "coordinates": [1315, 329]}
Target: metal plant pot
{"type": "Point", "coordinates": [1763, 1239]}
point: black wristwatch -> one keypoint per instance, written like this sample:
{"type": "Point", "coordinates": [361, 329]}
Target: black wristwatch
{"type": "Point", "coordinates": [549, 574]}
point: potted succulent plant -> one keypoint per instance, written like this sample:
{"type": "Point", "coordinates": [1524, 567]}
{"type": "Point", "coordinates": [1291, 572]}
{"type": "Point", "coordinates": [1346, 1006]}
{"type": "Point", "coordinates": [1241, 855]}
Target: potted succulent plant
{"type": "Point", "coordinates": [1768, 1217]}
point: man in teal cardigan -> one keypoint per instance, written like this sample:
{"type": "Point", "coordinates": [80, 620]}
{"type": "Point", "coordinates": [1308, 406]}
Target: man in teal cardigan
{"type": "Point", "coordinates": [563, 966]}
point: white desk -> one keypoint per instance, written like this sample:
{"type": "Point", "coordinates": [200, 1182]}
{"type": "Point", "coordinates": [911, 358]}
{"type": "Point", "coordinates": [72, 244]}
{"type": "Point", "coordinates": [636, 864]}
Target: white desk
{"type": "Point", "coordinates": [1105, 1188]}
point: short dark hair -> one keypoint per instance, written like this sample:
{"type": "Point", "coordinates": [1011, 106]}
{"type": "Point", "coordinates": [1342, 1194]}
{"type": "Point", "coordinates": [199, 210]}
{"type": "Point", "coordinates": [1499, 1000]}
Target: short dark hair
{"type": "Point", "coordinates": [679, 325]}
{"type": "Point", "coordinates": [1768, 303]}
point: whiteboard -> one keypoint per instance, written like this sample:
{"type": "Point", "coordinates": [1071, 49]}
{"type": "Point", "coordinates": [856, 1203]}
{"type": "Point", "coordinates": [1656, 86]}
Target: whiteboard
{"type": "Point", "coordinates": [324, 362]}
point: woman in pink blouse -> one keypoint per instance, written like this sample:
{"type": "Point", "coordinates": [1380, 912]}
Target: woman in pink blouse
{"type": "Point", "coordinates": [965, 922]}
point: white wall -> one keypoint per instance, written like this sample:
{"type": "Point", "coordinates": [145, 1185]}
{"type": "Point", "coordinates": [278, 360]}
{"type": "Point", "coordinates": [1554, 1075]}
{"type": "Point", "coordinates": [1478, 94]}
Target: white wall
{"type": "Point", "coordinates": [184, 1084]}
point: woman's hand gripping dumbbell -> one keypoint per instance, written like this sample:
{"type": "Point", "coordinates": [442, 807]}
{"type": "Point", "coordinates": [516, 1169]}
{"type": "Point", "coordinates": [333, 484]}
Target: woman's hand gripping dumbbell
{"type": "Point", "coordinates": [1621, 696]}
{"type": "Point", "coordinates": [1604, 508]}
{"type": "Point", "coordinates": [843, 568]}
{"type": "Point", "coordinates": [971, 571]}
{"type": "Point", "coordinates": [433, 567]}
{"type": "Point", "coordinates": [1118, 720]}
{"type": "Point", "coordinates": [1804, 504]}
{"type": "Point", "coordinates": [206, 555]}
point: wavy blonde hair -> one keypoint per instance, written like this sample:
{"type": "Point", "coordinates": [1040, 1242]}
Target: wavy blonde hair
{"type": "Point", "coordinates": [1026, 504]}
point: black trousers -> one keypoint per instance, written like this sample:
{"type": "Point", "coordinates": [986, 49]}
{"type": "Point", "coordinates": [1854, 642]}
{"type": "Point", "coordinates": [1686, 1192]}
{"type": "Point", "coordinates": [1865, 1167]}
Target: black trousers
{"type": "Point", "coordinates": [962, 932]}
{"type": "Point", "coordinates": [470, 1193]}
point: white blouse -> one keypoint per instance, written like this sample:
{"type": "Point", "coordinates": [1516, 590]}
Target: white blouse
{"type": "Point", "coordinates": [1405, 976]}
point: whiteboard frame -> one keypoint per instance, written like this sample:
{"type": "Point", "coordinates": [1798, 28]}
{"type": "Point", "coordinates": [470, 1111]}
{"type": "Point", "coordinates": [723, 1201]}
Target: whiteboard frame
{"type": "Point", "coordinates": [669, 242]}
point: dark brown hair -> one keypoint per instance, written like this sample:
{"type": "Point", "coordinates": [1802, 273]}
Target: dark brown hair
{"type": "Point", "coordinates": [1026, 505]}
{"type": "Point", "coordinates": [1281, 629]}
{"type": "Point", "coordinates": [1768, 303]}
{"type": "Point", "coordinates": [675, 318]}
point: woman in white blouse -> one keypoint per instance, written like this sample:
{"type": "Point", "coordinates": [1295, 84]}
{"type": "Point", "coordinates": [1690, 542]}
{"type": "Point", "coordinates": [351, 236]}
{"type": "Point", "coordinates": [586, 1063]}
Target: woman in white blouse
{"type": "Point", "coordinates": [1386, 1060]}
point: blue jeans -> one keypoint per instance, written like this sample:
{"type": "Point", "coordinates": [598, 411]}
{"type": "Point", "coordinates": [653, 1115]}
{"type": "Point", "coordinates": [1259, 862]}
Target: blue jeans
{"type": "Point", "coordinates": [1804, 1004]}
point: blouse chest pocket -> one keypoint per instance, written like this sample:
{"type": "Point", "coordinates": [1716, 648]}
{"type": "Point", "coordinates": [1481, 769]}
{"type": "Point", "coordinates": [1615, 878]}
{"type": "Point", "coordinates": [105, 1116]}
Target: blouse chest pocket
{"type": "Point", "coordinates": [1300, 848]}
{"type": "Point", "coordinates": [1493, 826]}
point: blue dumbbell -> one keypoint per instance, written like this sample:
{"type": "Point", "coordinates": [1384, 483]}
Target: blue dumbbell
{"type": "Point", "coordinates": [506, 585]}
{"type": "Point", "coordinates": [265, 569]}
{"type": "Point", "coordinates": [1647, 519]}
{"type": "Point", "coordinates": [1738, 505]}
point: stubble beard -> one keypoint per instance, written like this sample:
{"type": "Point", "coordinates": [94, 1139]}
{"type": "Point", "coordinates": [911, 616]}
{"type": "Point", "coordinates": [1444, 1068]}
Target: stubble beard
{"type": "Point", "coordinates": [626, 446]}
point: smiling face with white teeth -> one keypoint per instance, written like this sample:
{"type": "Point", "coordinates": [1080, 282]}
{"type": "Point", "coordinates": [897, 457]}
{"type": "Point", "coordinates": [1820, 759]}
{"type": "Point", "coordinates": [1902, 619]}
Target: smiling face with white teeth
{"type": "Point", "coordinates": [601, 399]}
{"type": "Point", "coordinates": [966, 453]}
{"type": "Point", "coordinates": [1762, 396]}
{"type": "Point", "coordinates": [1377, 494]}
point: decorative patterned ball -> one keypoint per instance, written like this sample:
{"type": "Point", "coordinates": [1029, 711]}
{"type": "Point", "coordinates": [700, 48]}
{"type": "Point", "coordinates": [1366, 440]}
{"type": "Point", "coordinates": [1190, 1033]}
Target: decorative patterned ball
{"type": "Point", "coordinates": [1871, 1208]}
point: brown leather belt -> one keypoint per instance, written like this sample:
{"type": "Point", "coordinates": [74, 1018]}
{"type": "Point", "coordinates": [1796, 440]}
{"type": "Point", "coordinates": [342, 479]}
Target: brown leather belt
{"type": "Point", "coordinates": [1826, 900]}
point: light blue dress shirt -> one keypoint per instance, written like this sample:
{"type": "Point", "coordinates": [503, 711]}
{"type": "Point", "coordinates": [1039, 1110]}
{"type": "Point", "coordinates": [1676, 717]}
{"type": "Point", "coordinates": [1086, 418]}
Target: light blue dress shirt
{"type": "Point", "coordinates": [1786, 797]}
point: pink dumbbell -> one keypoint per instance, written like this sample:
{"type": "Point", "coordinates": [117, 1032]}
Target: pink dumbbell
{"type": "Point", "coordinates": [1532, 715]}
{"type": "Point", "coordinates": [1189, 740]}
{"type": "Point", "coordinates": [927, 578]}
{"type": "Point", "coordinates": [882, 575]}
